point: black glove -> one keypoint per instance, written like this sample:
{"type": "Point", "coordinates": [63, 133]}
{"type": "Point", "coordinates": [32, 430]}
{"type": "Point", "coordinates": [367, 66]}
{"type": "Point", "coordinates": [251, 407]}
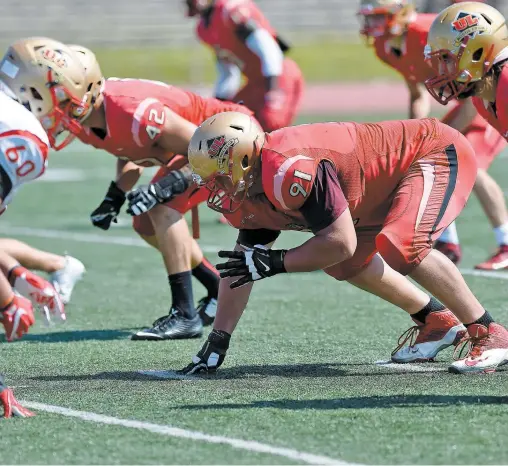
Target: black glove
{"type": "Point", "coordinates": [109, 208]}
{"type": "Point", "coordinates": [146, 197]}
{"type": "Point", "coordinates": [211, 355]}
{"type": "Point", "coordinates": [254, 264]}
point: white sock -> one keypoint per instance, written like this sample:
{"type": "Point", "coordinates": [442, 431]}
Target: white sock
{"type": "Point", "coordinates": [501, 233]}
{"type": "Point", "coordinates": [450, 235]}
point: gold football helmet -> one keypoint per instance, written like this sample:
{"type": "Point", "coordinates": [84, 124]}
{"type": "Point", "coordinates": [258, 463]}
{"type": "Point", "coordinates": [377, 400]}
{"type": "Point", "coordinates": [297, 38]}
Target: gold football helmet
{"type": "Point", "coordinates": [462, 45]}
{"type": "Point", "coordinates": [94, 76]}
{"type": "Point", "coordinates": [48, 78]}
{"type": "Point", "coordinates": [385, 18]}
{"type": "Point", "coordinates": [222, 153]}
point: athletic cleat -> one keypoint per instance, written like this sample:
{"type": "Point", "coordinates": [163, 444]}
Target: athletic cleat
{"type": "Point", "coordinates": [207, 309]}
{"type": "Point", "coordinates": [499, 261]}
{"type": "Point", "coordinates": [11, 405]}
{"type": "Point", "coordinates": [441, 330]}
{"type": "Point", "coordinates": [450, 250]}
{"type": "Point", "coordinates": [64, 280]}
{"type": "Point", "coordinates": [172, 327]}
{"type": "Point", "coordinates": [487, 349]}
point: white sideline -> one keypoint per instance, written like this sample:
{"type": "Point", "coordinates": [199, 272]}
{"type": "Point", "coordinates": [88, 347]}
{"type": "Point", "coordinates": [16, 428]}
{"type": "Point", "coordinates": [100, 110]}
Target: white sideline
{"type": "Point", "coordinates": [136, 242]}
{"type": "Point", "coordinates": [187, 434]}
{"type": "Point", "coordinates": [84, 237]}
{"type": "Point", "coordinates": [408, 367]}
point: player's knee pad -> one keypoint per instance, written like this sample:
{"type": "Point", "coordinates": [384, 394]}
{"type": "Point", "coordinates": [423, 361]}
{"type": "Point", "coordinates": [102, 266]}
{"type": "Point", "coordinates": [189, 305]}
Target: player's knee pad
{"type": "Point", "coordinates": [399, 252]}
{"type": "Point", "coordinates": [143, 225]}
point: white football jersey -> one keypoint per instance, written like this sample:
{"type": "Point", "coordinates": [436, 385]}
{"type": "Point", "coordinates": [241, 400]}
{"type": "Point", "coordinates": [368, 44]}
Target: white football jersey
{"type": "Point", "coordinates": [24, 145]}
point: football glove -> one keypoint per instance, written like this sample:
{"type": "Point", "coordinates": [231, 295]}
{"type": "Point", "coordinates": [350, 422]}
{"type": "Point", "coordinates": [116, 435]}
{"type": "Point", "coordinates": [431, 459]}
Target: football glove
{"type": "Point", "coordinates": [146, 197]}
{"type": "Point", "coordinates": [251, 265]}
{"type": "Point", "coordinates": [211, 355]}
{"type": "Point", "coordinates": [11, 406]}
{"type": "Point", "coordinates": [39, 291]}
{"type": "Point", "coordinates": [109, 208]}
{"type": "Point", "coordinates": [17, 317]}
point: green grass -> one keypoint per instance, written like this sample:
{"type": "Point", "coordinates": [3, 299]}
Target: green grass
{"type": "Point", "coordinates": [300, 372]}
{"type": "Point", "coordinates": [326, 61]}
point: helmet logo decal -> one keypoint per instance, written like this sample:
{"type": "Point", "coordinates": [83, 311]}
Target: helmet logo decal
{"type": "Point", "coordinates": [55, 57]}
{"type": "Point", "coordinates": [219, 148]}
{"type": "Point", "coordinates": [467, 24]}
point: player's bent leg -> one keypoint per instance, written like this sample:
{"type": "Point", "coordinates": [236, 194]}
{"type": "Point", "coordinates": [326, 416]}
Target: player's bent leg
{"type": "Point", "coordinates": [175, 246]}
{"type": "Point", "coordinates": [448, 244]}
{"type": "Point", "coordinates": [142, 225]}
{"type": "Point", "coordinates": [493, 202]}
{"type": "Point", "coordinates": [435, 329]}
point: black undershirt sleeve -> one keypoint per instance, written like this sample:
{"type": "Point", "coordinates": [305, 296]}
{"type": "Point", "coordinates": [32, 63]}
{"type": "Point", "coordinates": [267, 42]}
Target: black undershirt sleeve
{"type": "Point", "coordinates": [250, 238]}
{"type": "Point", "coordinates": [326, 201]}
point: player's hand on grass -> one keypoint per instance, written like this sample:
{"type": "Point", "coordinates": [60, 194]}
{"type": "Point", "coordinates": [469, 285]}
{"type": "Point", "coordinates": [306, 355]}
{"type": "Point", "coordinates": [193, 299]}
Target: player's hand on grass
{"type": "Point", "coordinates": [251, 265]}
{"type": "Point", "coordinates": [17, 317]}
{"type": "Point", "coordinates": [109, 208]}
{"type": "Point", "coordinates": [10, 405]}
{"type": "Point", "coordinates": [211, 355]}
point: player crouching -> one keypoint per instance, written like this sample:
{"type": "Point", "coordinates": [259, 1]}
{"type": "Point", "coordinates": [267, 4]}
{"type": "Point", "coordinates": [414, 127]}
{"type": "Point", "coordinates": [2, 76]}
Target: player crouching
{"type": "Point", "coordinates": [375, 196]}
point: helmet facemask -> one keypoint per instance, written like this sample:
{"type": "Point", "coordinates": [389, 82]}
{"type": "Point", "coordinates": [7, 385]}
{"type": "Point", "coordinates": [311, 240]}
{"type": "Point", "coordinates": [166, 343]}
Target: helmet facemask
{"type": "Point", "coordinates": [384, 20]}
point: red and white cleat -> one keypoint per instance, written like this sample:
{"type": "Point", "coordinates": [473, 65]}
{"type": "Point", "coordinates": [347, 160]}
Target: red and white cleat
{"type": "Point", "coordinates": [12, 406]}
{"type": "Point", "coordinates": [487, 349]}
{"type": "Point", "coordinates": [441, 330]}
{"type": "Point", "coordinates": [450, 250]}
{"type": "Point", "coordinates": [498, 261]}
{"type": "Point", "coordinates": [40, 292]}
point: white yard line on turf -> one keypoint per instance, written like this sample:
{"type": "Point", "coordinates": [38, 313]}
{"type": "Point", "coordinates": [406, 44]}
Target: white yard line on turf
{"type": "Point", "coordinates": [171, 431]}
{"type": "Point", "coordinates": [172, 375]}
{"type": "Point", "coordinates": [137, 242]}
{"type": "Point", "coordinates": [84, 237]}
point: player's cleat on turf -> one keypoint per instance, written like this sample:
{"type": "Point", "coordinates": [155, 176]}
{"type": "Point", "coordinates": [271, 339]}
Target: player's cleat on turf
{"type": "Point", "coordinates": [65, 279]}
{"type": "Point", "coordinates": [486, 350]}
{"type": "Point", "coordinates": [207, 309]}
{"type": "Point", "coordinates": [17, 318]}
{"type": "Point", "coordinates": [499, 261]}
{"type": "Point", "coordinates": [12, 406]}
{"type": "Point", "coordinates": [172, 327]}
{"type": "Point", "coordinates": [450, 250]}
{"type": "Point", "coordinates": [441, 330]}
{"type": "Point", "coordinates": [40, 292]}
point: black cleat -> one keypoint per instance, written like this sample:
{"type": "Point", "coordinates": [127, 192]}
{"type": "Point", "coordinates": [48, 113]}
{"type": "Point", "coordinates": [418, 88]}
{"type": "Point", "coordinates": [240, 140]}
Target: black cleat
{"type": "Point", "coordinates": [207, 308]}
{"type": "Point", "coordinates": [172, 327]}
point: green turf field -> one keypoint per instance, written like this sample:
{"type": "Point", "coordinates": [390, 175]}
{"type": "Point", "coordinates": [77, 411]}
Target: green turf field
{"type": "Point", "coordinates": [300, 377]}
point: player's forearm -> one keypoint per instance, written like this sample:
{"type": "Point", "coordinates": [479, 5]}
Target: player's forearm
{"type": "Point", "coordinates": [127, 175]}
{"type": "Point", "coordinates": [462, 118]}
{"type": "Point", "coordinates": [231, 304]}
{"type": "Point", "coordinates": [261, 43]}
{"type": "Point", "coordinates": [419, 107]}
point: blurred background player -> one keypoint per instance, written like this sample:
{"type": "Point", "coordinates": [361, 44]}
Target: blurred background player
{"type": "Point", "coordinates": [398, 34]}
{"type": "Point", "coordinates": [246, 45]}
{"type": "Point", "coordinates": [374, 195]}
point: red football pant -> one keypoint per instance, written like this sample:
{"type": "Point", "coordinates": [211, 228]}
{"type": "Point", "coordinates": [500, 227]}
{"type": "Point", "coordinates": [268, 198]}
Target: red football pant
{"type": "Point", "coordinates": [430, 195]}
{"type": "Point", "coordinates": [253, 96]}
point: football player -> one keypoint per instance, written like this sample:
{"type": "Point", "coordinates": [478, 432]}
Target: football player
{"type": "Point", "coordinates": [398, 35]}
{"type": "Point", "coordinates": [375, 196]}
{"type": "Point", "coordinates": [142, 123]}
{"type": "Point", "coordinates": [64, 271]}
{"type": "Point", "coordinates": [246, 44]}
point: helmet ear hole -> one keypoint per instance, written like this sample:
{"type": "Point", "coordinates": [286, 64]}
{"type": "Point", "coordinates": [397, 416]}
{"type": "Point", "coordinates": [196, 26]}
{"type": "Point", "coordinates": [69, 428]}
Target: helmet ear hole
{"type": "Point", "coordinates": [245, 161]}
{"type": "Point", "coordinates": [477, 54]}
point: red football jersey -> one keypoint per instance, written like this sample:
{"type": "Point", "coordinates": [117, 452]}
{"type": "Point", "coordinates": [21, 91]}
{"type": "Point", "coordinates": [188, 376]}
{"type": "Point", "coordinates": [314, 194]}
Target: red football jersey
{"type": "Point", "coordinates": [370, 160]}
{"type": "Point", "coordinates": [135, 117]}
{"type": "Point", "coordinates": [409, 61]}
{"type": "Point", "coordinates": [218, 31]}
{"type": "Point", "coordinates": [498, 116]}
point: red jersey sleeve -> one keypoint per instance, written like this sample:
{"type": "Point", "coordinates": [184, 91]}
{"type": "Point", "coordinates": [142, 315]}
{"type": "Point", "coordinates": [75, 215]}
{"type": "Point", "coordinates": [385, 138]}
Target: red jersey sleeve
{"type": "Point", "coordinates": [293, 178]}
{"type": "Point", "coordinates": [148, 122]}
